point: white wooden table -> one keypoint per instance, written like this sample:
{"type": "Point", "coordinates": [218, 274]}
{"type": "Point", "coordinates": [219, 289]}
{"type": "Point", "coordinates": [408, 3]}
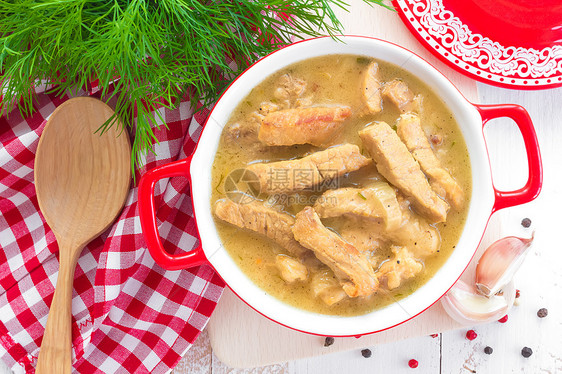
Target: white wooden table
{"type": "Point", "coordinates": [540, 279]}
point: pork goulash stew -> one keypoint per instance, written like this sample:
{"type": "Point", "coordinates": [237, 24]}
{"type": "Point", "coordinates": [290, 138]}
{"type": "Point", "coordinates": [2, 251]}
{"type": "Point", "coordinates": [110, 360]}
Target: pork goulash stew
{"type": "Point", "coordinates": [341, 184]}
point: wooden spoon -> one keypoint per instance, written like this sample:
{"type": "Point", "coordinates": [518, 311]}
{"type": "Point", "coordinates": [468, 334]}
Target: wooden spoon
{"type": "Point", "coordinates": [82, 179]}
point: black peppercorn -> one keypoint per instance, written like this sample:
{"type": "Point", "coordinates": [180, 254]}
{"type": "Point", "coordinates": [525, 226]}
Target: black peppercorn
{"type": "Point", "coordinates": [542, 312]}
{"type": "Point", "coordinates": [329, 341]}
{"type": "Point", "coordinates": [526, 352]}
{"type": "Point", "coordinates": [488, 350]}
{"type": "Point", "coordinates": [366, 353]}
{"type": "Point", "coordinates": [526, 222]}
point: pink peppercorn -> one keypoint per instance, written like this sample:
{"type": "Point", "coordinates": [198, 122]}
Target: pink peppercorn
{"type": "Point", "coordinates": [413, 363]}
{"type": "Point", "coordinates": [503, 319]}
{"type": "Point", "coordinates": [471, 335]}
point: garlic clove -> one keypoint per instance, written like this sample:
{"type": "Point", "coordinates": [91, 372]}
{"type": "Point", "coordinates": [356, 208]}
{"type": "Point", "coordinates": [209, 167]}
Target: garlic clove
{"type": "Point", "coordinates": [500, 261]}
{"type": "Point", "coordinates": [465, 305]}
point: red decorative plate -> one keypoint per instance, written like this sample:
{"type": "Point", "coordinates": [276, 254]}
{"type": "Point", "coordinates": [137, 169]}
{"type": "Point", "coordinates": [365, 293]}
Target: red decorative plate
{"type": "Point", "coordinates": [506, 43]}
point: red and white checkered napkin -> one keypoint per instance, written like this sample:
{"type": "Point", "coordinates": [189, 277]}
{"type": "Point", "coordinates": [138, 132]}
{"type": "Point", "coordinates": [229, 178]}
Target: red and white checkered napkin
{"type": "Point", "coordinates": [129, 315]}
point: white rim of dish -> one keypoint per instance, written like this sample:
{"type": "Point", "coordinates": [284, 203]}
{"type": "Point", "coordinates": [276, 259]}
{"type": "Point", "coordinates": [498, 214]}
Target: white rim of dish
{"type": "Point", "coordinates": [394, 314]}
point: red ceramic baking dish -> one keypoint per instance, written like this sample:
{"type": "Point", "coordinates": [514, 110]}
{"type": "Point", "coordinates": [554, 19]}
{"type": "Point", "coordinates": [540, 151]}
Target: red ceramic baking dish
{"type": "Point", "coordinates": [485, 198]}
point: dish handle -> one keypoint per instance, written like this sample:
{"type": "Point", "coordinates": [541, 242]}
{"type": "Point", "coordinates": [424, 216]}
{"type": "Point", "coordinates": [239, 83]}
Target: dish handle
{"type": "Point", "coordinates": [532, 188]}
{"type": "Point", "coordinates": [149, 226]}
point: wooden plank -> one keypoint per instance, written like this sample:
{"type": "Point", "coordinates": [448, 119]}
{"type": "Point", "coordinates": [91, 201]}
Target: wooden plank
{"type": "Point", "coordinates": [201, 360]}
{"type": "Point", "coordinates": [424, 349]}
{"type": "Point", "coordinates": [220, 368]}
{"type": "Point", "coordinates": [198, 360]}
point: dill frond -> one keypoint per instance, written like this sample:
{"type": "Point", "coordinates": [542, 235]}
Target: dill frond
{"type": "Point", "coordinates": [161, 50]}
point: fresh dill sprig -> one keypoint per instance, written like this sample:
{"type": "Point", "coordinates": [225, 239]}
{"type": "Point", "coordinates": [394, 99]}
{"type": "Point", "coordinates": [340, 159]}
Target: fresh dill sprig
{"type": "Point", "coordinates": [161, 50]}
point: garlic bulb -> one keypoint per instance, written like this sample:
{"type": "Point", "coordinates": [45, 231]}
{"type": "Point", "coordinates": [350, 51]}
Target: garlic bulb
{"type": "Point", "coordinates": [499, 263]}
{"type": "Point", "coordinates": [465, 305]}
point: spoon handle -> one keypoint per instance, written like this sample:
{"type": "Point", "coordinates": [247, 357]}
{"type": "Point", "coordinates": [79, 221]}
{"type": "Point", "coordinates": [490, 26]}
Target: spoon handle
{"type": "Point", "coordinates": [55, 354]}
